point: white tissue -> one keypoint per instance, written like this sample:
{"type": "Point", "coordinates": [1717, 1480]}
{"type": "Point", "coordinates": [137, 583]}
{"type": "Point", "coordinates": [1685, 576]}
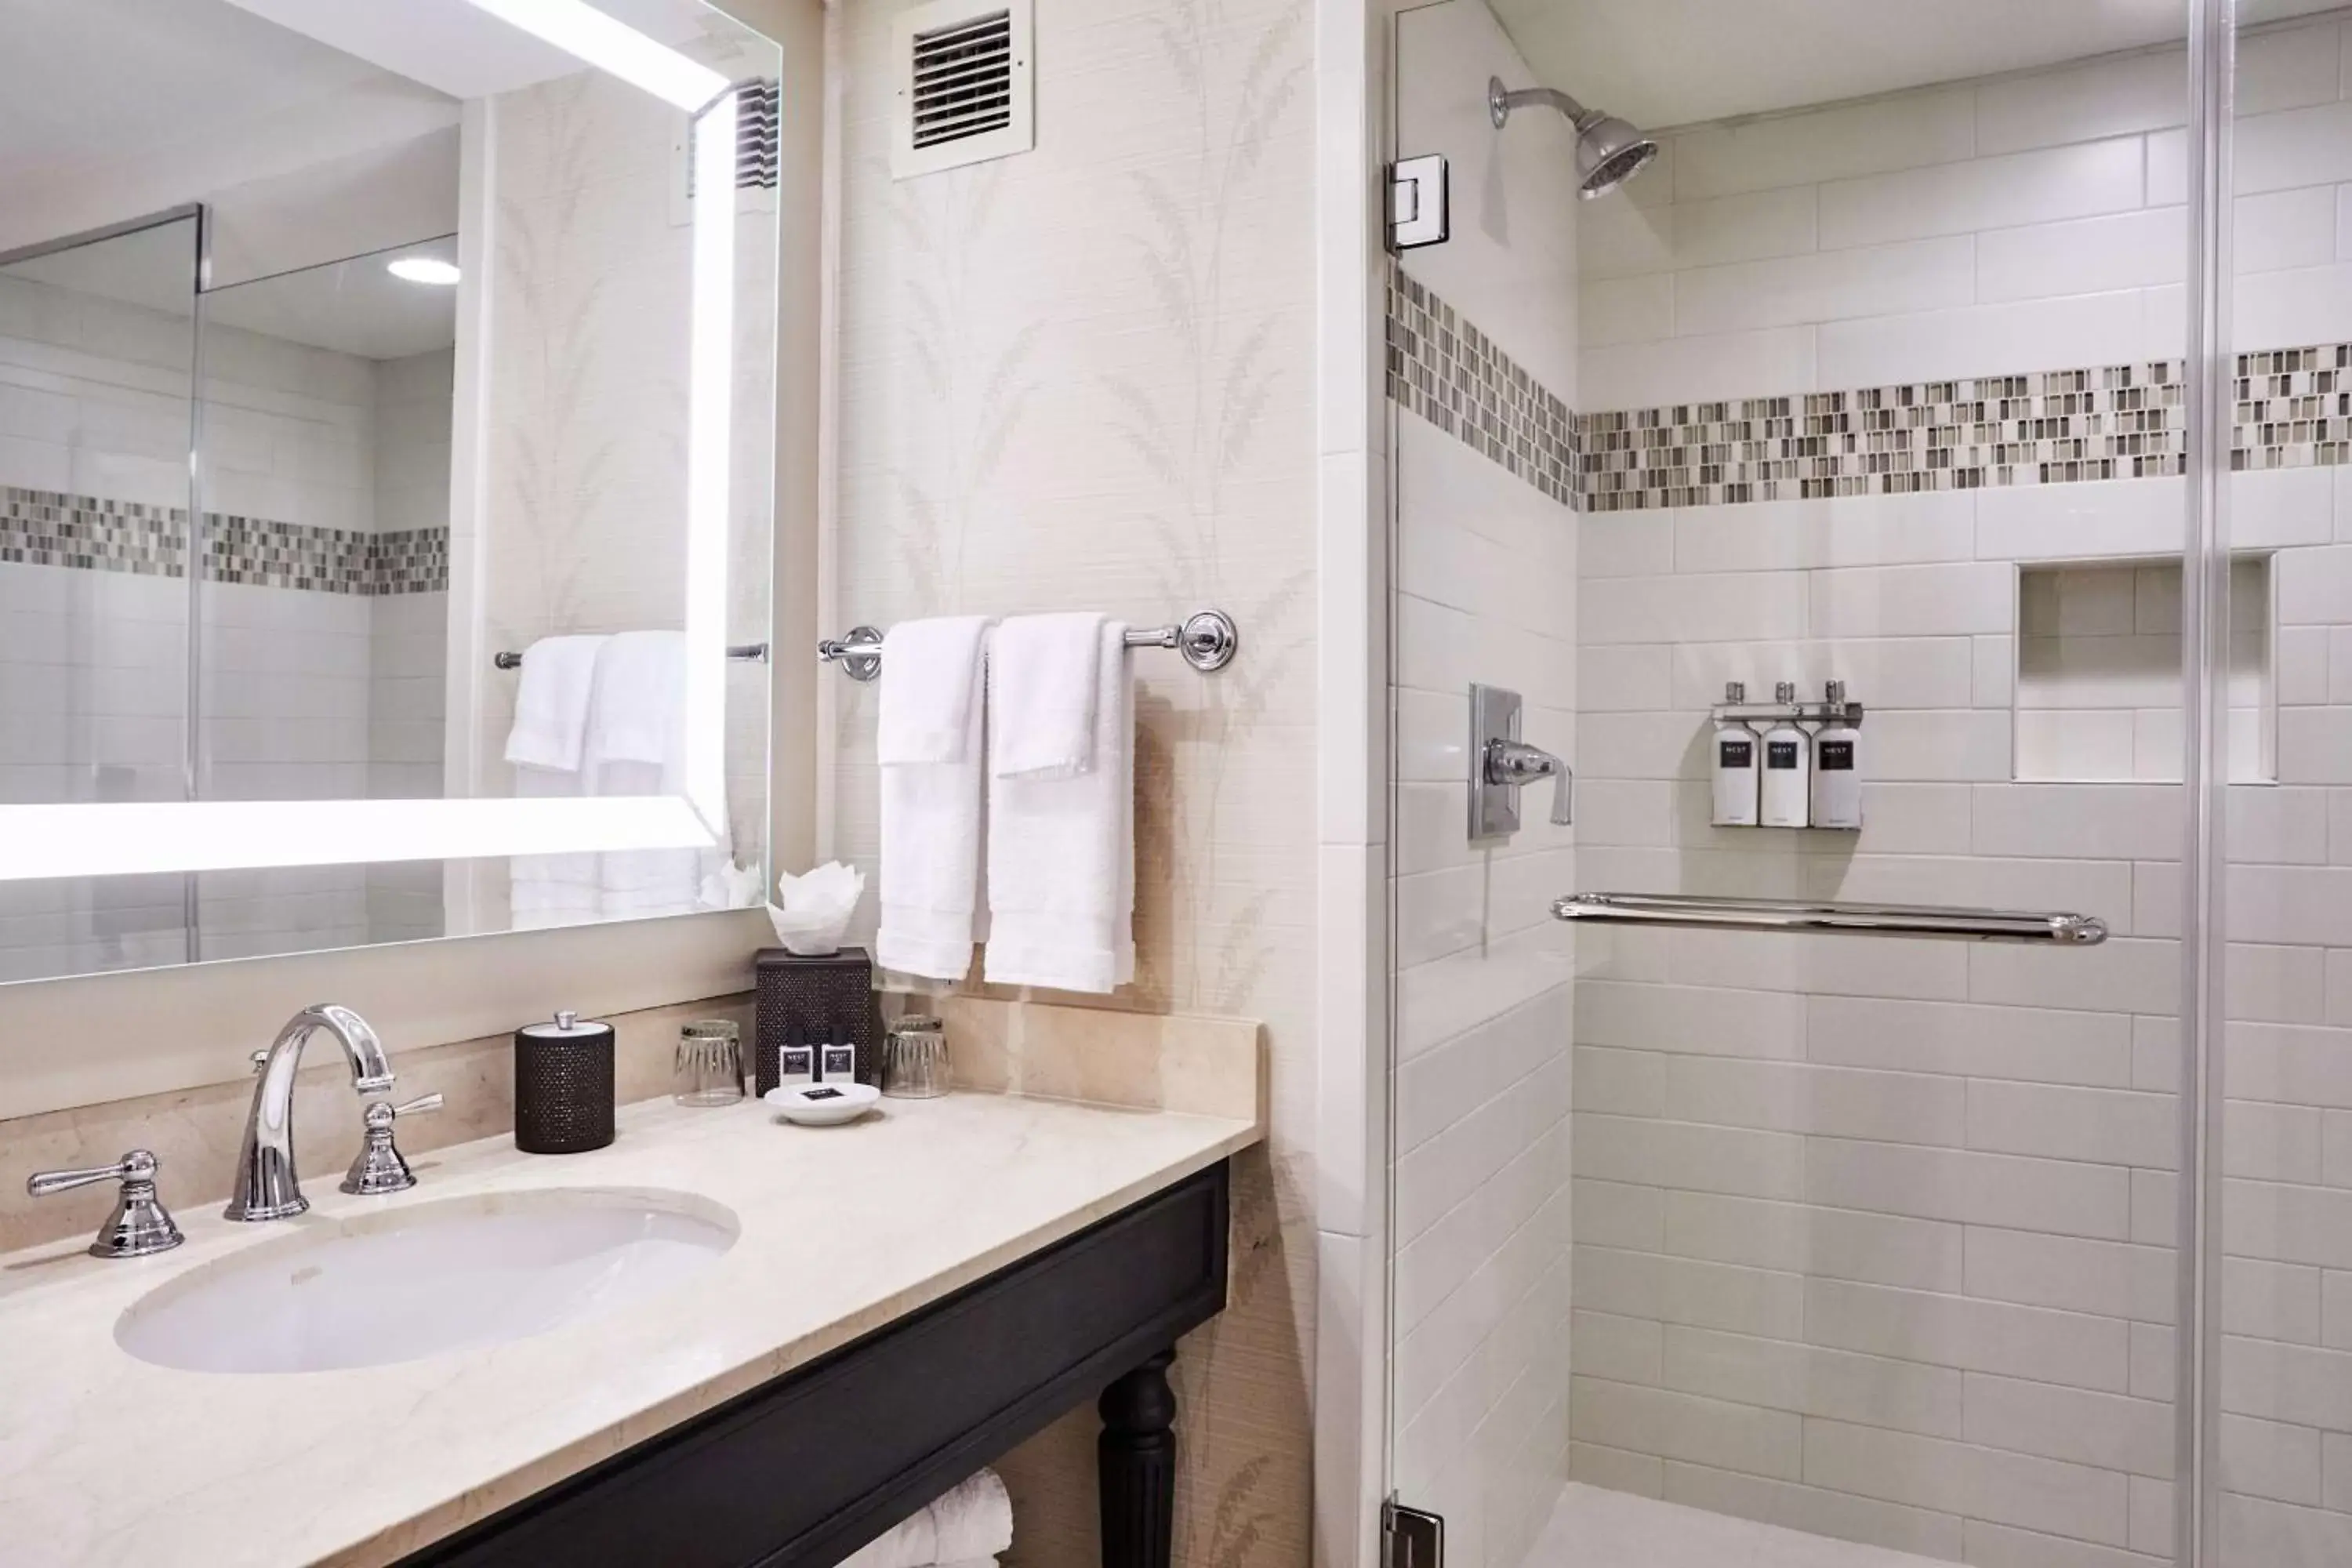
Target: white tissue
{"type": "Point", "coordinates": [731, 887]}
{"type": "Point", "coordinates": [814, 909]}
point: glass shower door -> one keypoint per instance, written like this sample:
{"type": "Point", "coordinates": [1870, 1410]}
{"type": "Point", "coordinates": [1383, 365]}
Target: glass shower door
{"type": "Point", "coordinates": [1716, 1225]}
{"type": "Point", "coordinates": [2278, 1071]}
{"type": "Point", "coordinates": [97, 368]}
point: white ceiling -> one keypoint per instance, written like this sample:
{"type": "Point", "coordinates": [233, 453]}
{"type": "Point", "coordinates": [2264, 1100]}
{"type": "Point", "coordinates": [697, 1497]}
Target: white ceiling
{"type": "Point", "coordinates": [354, 307]}
{"type": "Point", "coordinates": [1662, 63]}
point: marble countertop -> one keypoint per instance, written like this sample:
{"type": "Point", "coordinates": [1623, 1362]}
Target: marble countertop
{"type": "Point", "coordinates": [105, 1459]}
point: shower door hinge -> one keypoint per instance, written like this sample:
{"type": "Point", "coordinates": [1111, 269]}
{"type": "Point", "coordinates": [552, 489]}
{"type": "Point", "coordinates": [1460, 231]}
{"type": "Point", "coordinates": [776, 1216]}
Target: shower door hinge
{"type": "Point", "coordinates": [1410, 1538]}
{"type": "Point", "coordinates": [1417, 203]}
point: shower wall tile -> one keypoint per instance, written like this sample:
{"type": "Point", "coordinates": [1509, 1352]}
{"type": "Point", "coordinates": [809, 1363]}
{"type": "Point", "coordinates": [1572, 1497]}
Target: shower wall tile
{"type": "Point", "coordinates": [1829, 285]}
{"type": "Point", "coordinates": [2122, 250]}
{"type": "Point", "coordinates": [1983, 193]}
{"type": "Point", "coordinates": [1909, 132]}
{"type": "Point", "coordinates": [2108, 97]}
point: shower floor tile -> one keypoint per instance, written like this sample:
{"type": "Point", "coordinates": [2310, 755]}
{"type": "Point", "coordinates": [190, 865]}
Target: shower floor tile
{"type": "Point", "coordinates": [1591, 1528]}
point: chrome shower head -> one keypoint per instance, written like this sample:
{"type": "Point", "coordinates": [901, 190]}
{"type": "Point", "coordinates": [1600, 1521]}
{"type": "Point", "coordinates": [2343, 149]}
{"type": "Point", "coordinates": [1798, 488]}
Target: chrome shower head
{"type": "Point", "coordinates": [1609, 151]}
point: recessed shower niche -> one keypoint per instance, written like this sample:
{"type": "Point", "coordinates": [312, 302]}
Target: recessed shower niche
{"type": "Point", "coordinates": [2098, 672]}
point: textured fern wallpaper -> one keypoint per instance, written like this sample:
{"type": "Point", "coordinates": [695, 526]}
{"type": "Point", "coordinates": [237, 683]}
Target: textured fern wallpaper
{"type": "Point", "coordinates": [1082, 378]}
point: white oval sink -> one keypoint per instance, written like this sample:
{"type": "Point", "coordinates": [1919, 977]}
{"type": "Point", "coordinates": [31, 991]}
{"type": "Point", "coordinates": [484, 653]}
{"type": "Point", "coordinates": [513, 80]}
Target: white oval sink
{"type": "Point", "coordinates": [372, 1290]}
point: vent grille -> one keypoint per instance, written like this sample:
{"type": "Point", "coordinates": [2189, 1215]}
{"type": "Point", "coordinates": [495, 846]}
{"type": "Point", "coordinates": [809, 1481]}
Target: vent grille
{"type": "Point", "coordinates": [759, 116]}
{"type": "Point", "coordinates": [965, 84]}
{"type": "Point", "coordinates": [963, 80]}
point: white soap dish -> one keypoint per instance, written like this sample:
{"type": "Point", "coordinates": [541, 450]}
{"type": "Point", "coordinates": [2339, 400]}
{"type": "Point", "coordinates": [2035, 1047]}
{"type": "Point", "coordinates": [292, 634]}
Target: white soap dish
{"type": "Point", "coordinates": [823, 1104]}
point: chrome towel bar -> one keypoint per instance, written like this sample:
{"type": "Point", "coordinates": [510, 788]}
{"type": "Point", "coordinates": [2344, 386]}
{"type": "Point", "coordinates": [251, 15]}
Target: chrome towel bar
{"type": "Point", "coordinates": [1693, 913]}
{"type": "Point", "coordinates": [1208, 640]}
{"type": "Point", "coordinates": [749, 652]}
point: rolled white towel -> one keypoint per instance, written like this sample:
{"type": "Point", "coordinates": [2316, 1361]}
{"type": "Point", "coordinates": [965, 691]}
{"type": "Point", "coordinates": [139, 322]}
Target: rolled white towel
{"type": "Point", "coordinates": [963, 1527]}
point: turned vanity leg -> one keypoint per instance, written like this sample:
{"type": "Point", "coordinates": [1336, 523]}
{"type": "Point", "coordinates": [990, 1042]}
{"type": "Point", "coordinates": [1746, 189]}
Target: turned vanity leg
{"type": "Point", "coordinates": [1135, 1468]}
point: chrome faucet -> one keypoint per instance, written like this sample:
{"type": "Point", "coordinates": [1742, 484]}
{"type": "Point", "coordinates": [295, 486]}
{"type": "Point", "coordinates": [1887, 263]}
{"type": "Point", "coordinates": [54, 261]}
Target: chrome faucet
{"type": "Point", "coordinates": [266, 1187]}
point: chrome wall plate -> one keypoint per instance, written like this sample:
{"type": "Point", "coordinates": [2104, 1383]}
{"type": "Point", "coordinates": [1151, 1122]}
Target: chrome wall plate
{"type": "Point", "coordinates": [1494, 808]}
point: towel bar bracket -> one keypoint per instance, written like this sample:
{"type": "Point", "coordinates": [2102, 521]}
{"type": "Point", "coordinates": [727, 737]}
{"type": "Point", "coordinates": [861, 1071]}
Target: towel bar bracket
{"type": "Point", "coordinates": [1208, 639]}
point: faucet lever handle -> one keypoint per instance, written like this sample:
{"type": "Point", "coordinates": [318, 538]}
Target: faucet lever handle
{"type": "Point", "coordinates": [139, 1224]}
{"type": "Point", "coordinates": [138, 1165]}
{"type": "Point", "coordinates": [380, 1167]}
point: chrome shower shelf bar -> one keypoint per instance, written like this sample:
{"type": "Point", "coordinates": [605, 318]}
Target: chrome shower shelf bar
{"type": "Point", "coordinates": [1208, 639]}
{"type": "Point", "coordinates": [1693, 913]}
{"type": "Point", "coordinates": [1755, 713]}
{"type": "Point", "coordinates": [749, 652]}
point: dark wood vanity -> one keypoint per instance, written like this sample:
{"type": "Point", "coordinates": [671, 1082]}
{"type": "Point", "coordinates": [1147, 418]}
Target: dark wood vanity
{"type": "Point", "coordinates": [802, 1471]}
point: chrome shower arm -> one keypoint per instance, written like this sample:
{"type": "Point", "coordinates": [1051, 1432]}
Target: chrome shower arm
{"type": "Point", "coordinates": [1501, 101]}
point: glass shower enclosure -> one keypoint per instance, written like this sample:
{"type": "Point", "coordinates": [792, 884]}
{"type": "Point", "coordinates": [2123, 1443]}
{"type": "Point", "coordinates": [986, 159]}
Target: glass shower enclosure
{"type": "Point", "coordinates": [1906, 1115]}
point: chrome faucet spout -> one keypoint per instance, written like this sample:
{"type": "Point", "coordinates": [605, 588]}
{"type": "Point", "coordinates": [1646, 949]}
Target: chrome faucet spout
{"type": "Point", "coordinates": [267, 1186]}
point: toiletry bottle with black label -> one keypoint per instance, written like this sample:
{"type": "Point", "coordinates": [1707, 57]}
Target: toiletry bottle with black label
{"type": "Point", "coordinates": [1734, 766]}
{"type": "Point", "coordinates": [1837, 770]}
{"type": "Point", "coordinates": [1788, 768]}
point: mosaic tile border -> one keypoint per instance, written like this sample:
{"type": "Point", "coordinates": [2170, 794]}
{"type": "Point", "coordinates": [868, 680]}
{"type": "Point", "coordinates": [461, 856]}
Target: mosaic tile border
{"type": "Point", "coordinates": [1455, 376]}
{"type": "Point", "coordinates": [2292, 407]}
{"type": "Point", "coordinates": [2064, 426]}
{"type": "Point", "coordinates": [47, 528]}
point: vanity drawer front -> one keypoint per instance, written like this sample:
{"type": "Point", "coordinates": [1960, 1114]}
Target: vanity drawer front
{"type": "Point", "coordinates": [803, 1470]}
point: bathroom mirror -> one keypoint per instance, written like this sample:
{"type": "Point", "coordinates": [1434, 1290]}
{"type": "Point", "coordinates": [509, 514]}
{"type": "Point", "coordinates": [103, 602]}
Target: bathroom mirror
{"type": "Point", "coordinates": [387, 429]}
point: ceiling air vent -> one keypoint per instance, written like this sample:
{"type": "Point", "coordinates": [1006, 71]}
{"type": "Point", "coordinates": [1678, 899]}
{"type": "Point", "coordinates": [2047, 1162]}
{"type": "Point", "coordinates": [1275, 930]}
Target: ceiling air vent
{"type": "Point", "coordinates": [963, 85]}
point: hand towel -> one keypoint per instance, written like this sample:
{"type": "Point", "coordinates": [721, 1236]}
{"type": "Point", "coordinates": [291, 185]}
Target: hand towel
{"type": "Point", "coordinates": [926, 715]}
{"type": "Point", "coordinates": [636, 745]}
{"type": "Point", "coordinates": [931, 829]}
{"type": "Point", "coordinates": [637, 711]}
{"type": "Point", "coordinates": [1061, 851]}
{"type": "Point", "coordinates": [970, 1523]}
{"type": "Point", "coordinates": [1042, 694]}
{"type": "Point", "coordinates": [551, 721]}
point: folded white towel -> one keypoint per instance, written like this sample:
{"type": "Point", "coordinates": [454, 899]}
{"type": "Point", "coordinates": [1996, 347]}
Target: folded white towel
{"type": "Point", "coordinates": [638, 711]}
{"type": "Point", "coordinates": [970, 1523]}
{"type": "Point", "coordinates": [931, 828]}
{"type": "Point", "coordinates": [1061, 852]}
{"type": "Point", "coordinates": [551, 721]}
{"type": "Point", "coordinates": [927, 689]}
{"type": "Point", "coordinates": [1042, 693]}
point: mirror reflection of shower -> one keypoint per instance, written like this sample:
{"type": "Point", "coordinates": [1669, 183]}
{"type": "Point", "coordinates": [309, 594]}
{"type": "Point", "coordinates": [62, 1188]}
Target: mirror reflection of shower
{"type": "Point", "coordinates": [1609, 151]}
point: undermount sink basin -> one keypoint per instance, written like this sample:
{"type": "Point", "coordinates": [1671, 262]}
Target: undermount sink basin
{"type": "Point", "coordinates": [373, 1290]}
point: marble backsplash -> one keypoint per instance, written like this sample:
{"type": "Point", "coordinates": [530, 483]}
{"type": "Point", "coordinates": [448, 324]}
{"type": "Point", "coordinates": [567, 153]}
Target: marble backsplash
{"type": "Point", "coordinates": [194, 1132]}
{"type": "Point", "coordinates": [1209, 1067]}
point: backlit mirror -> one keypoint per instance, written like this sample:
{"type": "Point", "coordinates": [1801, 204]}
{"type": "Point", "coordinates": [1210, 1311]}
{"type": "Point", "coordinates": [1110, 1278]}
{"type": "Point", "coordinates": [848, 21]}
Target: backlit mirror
{"type": "Point", "coordinates": [386, 426]}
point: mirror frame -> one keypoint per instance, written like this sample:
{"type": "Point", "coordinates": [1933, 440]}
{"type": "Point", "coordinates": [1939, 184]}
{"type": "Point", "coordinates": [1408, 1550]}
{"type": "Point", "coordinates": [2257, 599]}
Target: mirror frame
{"type": "Point", "coordinates": [101, 839]}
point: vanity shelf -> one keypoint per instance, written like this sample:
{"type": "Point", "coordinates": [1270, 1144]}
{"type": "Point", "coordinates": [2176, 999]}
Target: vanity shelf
{"type": "Point", "coordinates": [802, 1471]}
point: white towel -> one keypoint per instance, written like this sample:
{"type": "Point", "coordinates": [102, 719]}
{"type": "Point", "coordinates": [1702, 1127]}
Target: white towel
{"type": "Point", "coordinates": [637, 745]}
{"type": "Point", "coordinates": [970, 1523]}
{"type": "Point", "coordinates": [931, 828]}
{"type": "Point", "coordinates": [546, 890]}
{"type": "Point", "coordinates": [638, 711]}
{"type": "Point", "coordinates": [1041, 694]}
{"type": "Point", "coordinates": [1061, 851]}
{"type": "Point", "coordinates": [926, 712]}
{"type": "Point", "coordinates": [547, 746]}
{"type": "Point", "coordinates": [551, 721]}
